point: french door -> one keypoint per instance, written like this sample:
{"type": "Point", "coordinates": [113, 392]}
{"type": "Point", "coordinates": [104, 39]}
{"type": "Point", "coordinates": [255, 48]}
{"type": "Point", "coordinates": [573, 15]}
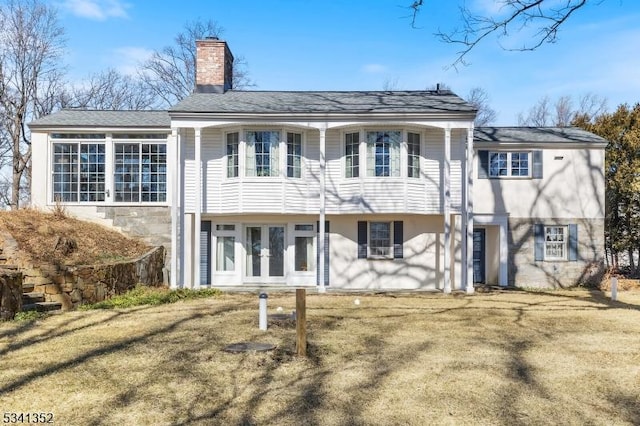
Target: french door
{"type": "Point", "coordinates": [264, 245]}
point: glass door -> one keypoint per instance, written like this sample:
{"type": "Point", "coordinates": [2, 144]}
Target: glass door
{"type": "Point", "coordinates": [265, 246]}
{"type": "Point", "coordinates": [276, 251]}
{"type": "Point", "coordinates": [254, 251]}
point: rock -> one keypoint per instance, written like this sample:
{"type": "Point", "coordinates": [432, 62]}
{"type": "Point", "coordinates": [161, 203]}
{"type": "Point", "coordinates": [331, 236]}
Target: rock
{"type": "Point", "coordinates": [65, 245]}
{"type": "Point", "coordinates": [10, 294]}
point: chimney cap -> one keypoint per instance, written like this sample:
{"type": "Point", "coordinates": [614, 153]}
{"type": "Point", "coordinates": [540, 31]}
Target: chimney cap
{"type": "Point", "coordinates": [210, 37]}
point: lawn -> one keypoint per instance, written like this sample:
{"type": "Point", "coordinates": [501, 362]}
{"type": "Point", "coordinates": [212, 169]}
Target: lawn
{"type": "Point", "coordinates": [562, 357]}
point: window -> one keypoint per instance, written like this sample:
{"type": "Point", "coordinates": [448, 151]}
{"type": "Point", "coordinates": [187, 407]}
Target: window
{"type": "Point", "coordinates": [413, 155]}
{"type": "Point", "coordinates": [519, 164]}
{"type": "Point", "coordinates": [505, 164]}
{"type": "Point", "coordinates": [232, 154]}
{"type": "Point", "coordinates": [383, 153]}
{"type": "Point", "coordinates": [140, 172]}
{"type": "Point", "coordinates": [352, 155]}
{"type": "Point", "coordinates": [225, 248]}
{"type": "Point", "coordinates": [262, 153]}
{"type": "Point", "coordinates": [555, 242]}
{"type": "Point", "coordinates": [294, 155]}
{"type": "Point", "coordinates": [380, 239]}
{"type": "Point", "coordinates": [304, 249]}
{"type": "Point", "coordinates": [80, 164]}
{"type": "Point", "coordinates": [78, 171]}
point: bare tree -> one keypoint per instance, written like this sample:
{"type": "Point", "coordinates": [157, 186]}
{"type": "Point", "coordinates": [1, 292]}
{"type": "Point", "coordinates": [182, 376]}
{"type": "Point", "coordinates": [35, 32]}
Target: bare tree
{"type": "Point", "coordinates": [562, 113]}
{"type": "Point", "coordinates": [390, 84]}
{"type": "Point", "coordinates": [31, 44]}
{"type": "Point", "coordinates": [170, 73]}
{"type": "Point", "coordinates": [591, 106]}
{"type": "Point", "coordinates": [479, 98]}
{"type": "Point", "coordinates": [538, 115]}
{"type": "Point", "coordinates": [544, 17]}
{"type": "Point", "coordinates": [112, 90]}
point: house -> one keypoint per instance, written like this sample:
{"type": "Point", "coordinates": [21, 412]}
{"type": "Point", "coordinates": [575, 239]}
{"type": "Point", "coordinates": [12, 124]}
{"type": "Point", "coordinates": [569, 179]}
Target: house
{"type": "Point", "coordinates": [334, 190]}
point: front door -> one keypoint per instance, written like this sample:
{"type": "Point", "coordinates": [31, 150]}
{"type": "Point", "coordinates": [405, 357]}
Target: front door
{"type": "Point", "coordinates": [264, 245]}
{"type": "Point", "coordinates": [479, 260]}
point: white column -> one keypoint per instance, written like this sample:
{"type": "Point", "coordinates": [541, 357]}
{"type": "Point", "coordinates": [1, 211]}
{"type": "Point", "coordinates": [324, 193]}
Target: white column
{"type": "Point", "coordinates": [174, 170]}
{"type": "Point", "coordinates": [198, 210]}
{"type": "Point", "coordinates": [321, 227]}
{"type": "Point", "coordinates": [182, 232]}
{"type": "Point", "coordinates": [446, 188]}
{"type": "Point", "coordinates": [468, 214]}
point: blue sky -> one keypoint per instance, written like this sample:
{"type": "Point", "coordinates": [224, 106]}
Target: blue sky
{"type": "Point", "coordinates": [363, 44]}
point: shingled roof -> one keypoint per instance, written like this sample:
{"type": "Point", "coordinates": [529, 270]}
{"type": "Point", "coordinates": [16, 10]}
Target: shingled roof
{"type": "Point", "coordinates": [109, 119]}
{"type": "Point", "coordinates": [536, 135]}
{"type": "Point", "coordinates": [272, 102]}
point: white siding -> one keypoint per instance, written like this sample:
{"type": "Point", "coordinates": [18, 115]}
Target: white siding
{"type": "Point", "coordinates": [213, 152]}
{"type": "Point", "coordinates": [433, 161]}
{"type": "Point", "coordinates": [458, 141]}
{"type": "Point", "coordinates": [280, 194]}
{"type": "Point", "coordinates": [188, 148]}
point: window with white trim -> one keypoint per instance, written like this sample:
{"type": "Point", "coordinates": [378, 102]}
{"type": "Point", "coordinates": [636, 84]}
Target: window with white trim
{"type": "Point", "coordinates": [294, 155]}
{"type": "Point", "coordinates": [232, 154]}
{"type": "Point", "coordinates": [78, 167]}
{"type": "Point", "coordinates": [383, 153]}
{"type": "Point", "coordinates": [509, 164]}
{"type": "Point", "coordinates": [262, 153]}
{"type": "Point", "coordinates": [380, 239]}
{"type": "Point", "coordinates": [140, 169]}
{"type": "Point", "coordinates": [555, 242]}
{"type": "Point", "coordinates": [413, 155]}
{"type": "Point", "coordinates": [352, 155]}
{"type": "Point", "coordinates": [225, 247]}
{"type": "Point", "coordinates": [304, 247]}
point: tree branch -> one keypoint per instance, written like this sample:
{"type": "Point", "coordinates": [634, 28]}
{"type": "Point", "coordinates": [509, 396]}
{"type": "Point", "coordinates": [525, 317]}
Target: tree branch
{"type": "Point", "coordinates": [514, 16]}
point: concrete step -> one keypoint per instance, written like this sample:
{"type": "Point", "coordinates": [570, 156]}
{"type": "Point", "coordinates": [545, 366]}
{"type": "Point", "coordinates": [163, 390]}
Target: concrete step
{"type": "Point", "coordinates": [27, 288]}
{"type": "Point", "coordinates": [32, 297]}
{"type": "Point", "coordinates": [42, 306]}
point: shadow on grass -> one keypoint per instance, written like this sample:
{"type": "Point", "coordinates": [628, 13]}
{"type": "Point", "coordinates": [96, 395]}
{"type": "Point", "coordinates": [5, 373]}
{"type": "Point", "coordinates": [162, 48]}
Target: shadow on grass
{"type": "Point", "coordinates": [100, 351]}
{"type": "Point", "coordinates": [371, 359]}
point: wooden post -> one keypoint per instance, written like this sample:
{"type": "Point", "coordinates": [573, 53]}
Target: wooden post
{"type": "Point", "coordinates": [301, 322]}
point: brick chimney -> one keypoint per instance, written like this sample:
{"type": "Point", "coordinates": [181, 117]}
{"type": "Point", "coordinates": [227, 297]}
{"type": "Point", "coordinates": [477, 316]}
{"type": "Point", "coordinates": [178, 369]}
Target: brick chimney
{"type": "Point", "coordinates": [214, 66]}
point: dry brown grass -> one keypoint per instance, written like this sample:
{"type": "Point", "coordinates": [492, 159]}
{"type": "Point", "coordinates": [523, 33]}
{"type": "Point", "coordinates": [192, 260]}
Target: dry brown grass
{"type": "Point", "coordinates": [565, 357]}
{"type": "Point", "coordinates": [47, 237]}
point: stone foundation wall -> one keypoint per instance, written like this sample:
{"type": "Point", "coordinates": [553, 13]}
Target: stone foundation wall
{"type": "Point", "coordinates": [525, 271]}
{"type": "Point", "coordinates": [149, 223]}
{"type": "Point", "coordinates": [10, 294]}
{"type": "Point", "coordinates": [76, 285]}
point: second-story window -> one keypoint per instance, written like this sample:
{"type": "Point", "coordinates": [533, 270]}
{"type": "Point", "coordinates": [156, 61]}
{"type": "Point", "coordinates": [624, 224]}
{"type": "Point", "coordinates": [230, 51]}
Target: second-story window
{"type": "Point", "coordinates": [294, 155]}
{"type": "Point", "coordinates": [413, 155]}
{"type": "Point", "coordinates": [383, 153]}
{"type": "Point", "coordinates": [352, 156]}
{"type": "Point", "coordinates": [262, 153]}
{"type": "Point", "coordinates": [232, 154]}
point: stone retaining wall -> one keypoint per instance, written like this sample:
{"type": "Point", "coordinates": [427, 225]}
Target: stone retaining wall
{"type": "Point", "coordinates": [10, 293]}
{"type": "Point", "coordinates": [76, 285]}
